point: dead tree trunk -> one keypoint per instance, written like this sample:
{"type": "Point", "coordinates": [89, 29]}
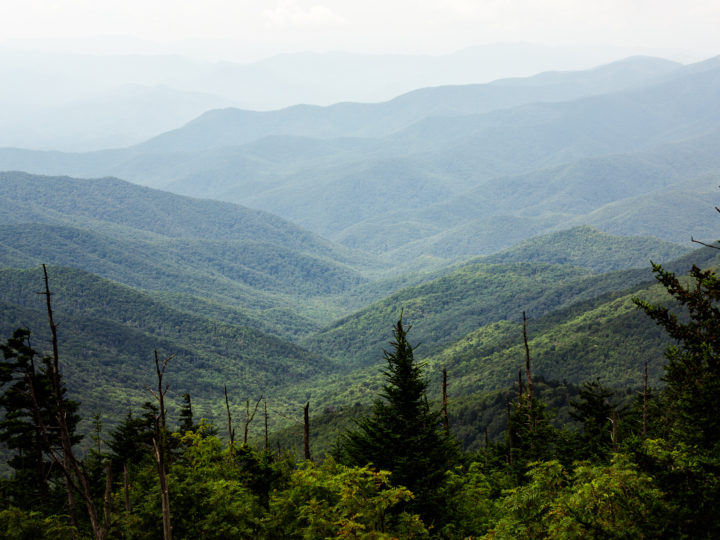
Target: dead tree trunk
{"type": "Point", "coordinates": [527, 358]}
{"type": "Point", "coordinates": [126, 488]}
{"type": "Point", "coordinates": [306, 432]}
{"type": "Point", "coordinates": [509, 433]}
{"type": "Point", "coordinates": [446, 420]}
{"type": "Point", "coordinates": [75, 478]}
{"type": "Point", "coordinates": [249, 417]}
{"type": "Point", "coordinates": [266, 425]}
{"type": "Point", "coordinates": [645, 395]}
{"type": "Point", "coordinates": [231, 431]}
{"type": "Point", "coordinates": [106, 497]}
{"type": "Point", "coordinates": [614, 421]}
{"type": "Point", "coordinates": [160, 444]}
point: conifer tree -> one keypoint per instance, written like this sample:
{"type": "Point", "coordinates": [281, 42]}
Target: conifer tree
{"type": "Point", "coordinates": [403, 435]}
{"type": "Point", "coordinates": [20, 427]}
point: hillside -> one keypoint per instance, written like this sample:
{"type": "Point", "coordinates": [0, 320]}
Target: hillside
{"type": "Point", "coordinates": [108, 333]}
{"type": "Point", "coordinates": [448, 184]}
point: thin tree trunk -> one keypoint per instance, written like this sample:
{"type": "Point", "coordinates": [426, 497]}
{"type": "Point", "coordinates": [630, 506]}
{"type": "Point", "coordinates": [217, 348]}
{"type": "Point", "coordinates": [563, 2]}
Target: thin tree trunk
{"type": "Point", "coordinates": [231, 431]}
{"type": "Point", "coordinates": [249, 417]}
{"type": "Point", "coordinates": [126, 488]}
{"type": "Point", "coordinates": [72, 506]}
{"type": "Point", "coordinates": [510, 437]}
{"type": "Point", "coordinates": [74, 474]}
{"type": "Point", "coordinates": [160, 445]}
{"type": "Point", "coordinates": [106, 498]}
{"type": "Point", "coordinates": [527, 358]}
{"type": "Point", "coordinates": [446, 420]}
{"type": "Point", "coordinates": [164, 493]}
{"type": "Point", "coordinates": [266, 425]}
{"type": "Point", "coordinates": [306, 431]}
{"type": "Point", "coordinates": [645, 395]}
{"type": "Point", "coordinates": [614, 430]}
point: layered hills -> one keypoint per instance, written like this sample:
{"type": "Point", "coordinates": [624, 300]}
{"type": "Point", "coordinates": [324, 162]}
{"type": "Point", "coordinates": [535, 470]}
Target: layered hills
{"type": "Point", "coordinates": [457, 208]}
{"type": "Point", "coordinates": [451, 172]}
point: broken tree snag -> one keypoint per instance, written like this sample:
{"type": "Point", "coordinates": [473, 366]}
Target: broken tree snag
{"type": "Point", "coordinates": [108, 492]}
{"type": "Point", "coordinates": [521, 390]}
{"type": "Point", "coordinates": [266, 425]}
{"type": "Point", "coordinates": [75, 477]}
{"type": "Point", "coordinates": [306, 431]}
{"type": "Point", "coordinates": [527, 358]}
{"type": "Point", "coordinates": [446, 421]}
{"type": "Point", "coordinates": [231, 431]}
{"type": "Point", "coordinates": [160, 444]}
{"type": "Point", "coordinates": [645, 395]}
{"type": "Point", "coordinates": [509, 434]}
{"type": "Point", "coordinates": [249, 417]}
{"type": "Point", "coordinates": [614, 421]}
{"type": "Point", "coordinates": [126, 487]}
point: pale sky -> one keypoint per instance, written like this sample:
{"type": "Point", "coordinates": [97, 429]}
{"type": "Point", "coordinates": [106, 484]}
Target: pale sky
{"type": "Point", "coordinates": [266, 27]}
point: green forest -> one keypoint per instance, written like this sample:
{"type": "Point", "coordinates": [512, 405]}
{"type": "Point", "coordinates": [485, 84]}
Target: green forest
{"type": "Point", "coordinates": [468, 312]}
{"type": "Point", "coordinates": [640, 462]}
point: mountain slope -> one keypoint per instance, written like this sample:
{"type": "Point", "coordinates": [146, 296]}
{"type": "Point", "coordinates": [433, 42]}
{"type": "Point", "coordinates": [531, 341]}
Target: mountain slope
{"type": "Point", "coordinates": [108, 333]}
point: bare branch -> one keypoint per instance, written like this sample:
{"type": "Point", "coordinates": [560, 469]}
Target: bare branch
{"type": "Point", "coordinates": [703, 243]}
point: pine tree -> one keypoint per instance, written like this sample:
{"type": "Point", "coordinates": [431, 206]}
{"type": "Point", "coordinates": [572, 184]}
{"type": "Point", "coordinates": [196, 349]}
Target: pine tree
{"type": "Point", "coordinates": [692, 373]}
{"type": "Point", "coordinates": [403, 435]}
{"type": "Point", "coordinates": [594, 410]}
{"type": "Point", "coordinates": [186, 415]}
{"type": "Point", "coordinates": [20, 428]}
{"type": "Point", "coordinates": [687, 464]}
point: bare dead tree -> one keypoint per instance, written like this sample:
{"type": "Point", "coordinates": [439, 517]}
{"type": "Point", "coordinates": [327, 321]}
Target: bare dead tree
{"type": "Point", "coordinates": [614, 422]}
{"type": "Point", "coordinates": [521, 390]}
{"type": "Point", "coordinates": [266, 425]}
{"type": "Point", "coordinates": [160, 443]}
{"type": "Point", "coordinates": [527, 358]}
{"type": "Point", "coordinates": [126, 488]}
{"type": "Point", "coordinates": [703, 243]}
{"type": "Point", "coordinates": [306, 431]}
{"type": "Point", "coordinates": [446, 420]}
{"type": "Point", "coordinates": [509, 433]}
{"type": "Point", "coordinates": [645, 396]}
{"type": "Point", "coordinates": [75, 478]}
{"type": "Point", "coordinates": [106, 496]}
{"type": "Point", "coordinates": [249, 417]}
{"type": "Point", "coordinates": [231, 431]}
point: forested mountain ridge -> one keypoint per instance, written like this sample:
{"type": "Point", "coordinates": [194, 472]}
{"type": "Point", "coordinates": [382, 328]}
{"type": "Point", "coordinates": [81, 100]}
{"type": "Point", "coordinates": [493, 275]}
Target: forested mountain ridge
{"type": "Point", "coordinates": [463, 179]}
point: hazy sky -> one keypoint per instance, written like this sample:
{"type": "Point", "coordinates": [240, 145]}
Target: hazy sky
{"type": "Point", "coordinates": [388, 26]}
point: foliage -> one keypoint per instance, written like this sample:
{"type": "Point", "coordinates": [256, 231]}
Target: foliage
{"type": "Point", "coordinates": [692, 373]}
{"type": "Point", "coordinates": [28, 425]}
{"type": "Point", "coordinates": [16, 524]}
{"type": "Point", "coordinates": [592, 501]}
{"type": "Point", "coordinates": [403, 434]}
{"type": "Point", "coordinates": [333, 500]}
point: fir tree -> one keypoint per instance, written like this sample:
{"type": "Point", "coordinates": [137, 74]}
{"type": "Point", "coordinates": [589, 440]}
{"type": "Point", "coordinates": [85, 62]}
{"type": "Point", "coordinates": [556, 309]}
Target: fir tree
{"type": "Point", "coordinates": [20, 427]}
{"type": "Point", "coordinates": [403, 435]}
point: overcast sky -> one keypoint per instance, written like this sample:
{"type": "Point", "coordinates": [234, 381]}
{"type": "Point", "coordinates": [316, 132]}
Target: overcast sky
{"type": "Point", "coordinates": [266, 27]}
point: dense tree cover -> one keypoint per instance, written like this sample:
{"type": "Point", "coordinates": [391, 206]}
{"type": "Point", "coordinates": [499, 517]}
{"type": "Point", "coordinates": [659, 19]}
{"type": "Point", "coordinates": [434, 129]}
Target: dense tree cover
{"type": "Point", "coordinates": [401, 476]}
{"type": "Point", "coordinates": [622, 467]}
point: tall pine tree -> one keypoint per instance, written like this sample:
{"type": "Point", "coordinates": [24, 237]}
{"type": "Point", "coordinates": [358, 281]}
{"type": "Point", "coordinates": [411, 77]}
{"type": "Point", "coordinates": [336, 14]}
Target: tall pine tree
{"type": "Point", "coordinates": [20, 424]}
{"type": "Point", "coordinates": [403, 435]}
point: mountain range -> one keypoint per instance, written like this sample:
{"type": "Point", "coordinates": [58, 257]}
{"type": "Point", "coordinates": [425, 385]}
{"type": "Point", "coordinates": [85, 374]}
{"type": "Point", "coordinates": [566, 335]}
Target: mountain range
{"type": "Point", "coordinates": [457, 208]}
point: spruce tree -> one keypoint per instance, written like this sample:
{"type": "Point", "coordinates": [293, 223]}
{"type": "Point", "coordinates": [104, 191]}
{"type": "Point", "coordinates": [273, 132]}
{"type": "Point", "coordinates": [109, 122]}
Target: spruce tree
{"type": "Point", "coordinates": [403, 435]}
{"type": "Point", "coordinates": [20, 425]}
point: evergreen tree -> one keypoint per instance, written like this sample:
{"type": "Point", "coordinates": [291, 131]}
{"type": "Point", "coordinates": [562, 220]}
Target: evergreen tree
{"type": "Point", "coordinates": [186, 415]}
{"type": "Point", "coordinates": [687, 465]}
{"type": "Point", "coordinates": [594, 410]}
{"type": "Point", "coordinates": [692, 372]}
{"type": "Point", "coordinates": [403, 435]}
{"type": "Point", "coordinates": [20, 427]}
